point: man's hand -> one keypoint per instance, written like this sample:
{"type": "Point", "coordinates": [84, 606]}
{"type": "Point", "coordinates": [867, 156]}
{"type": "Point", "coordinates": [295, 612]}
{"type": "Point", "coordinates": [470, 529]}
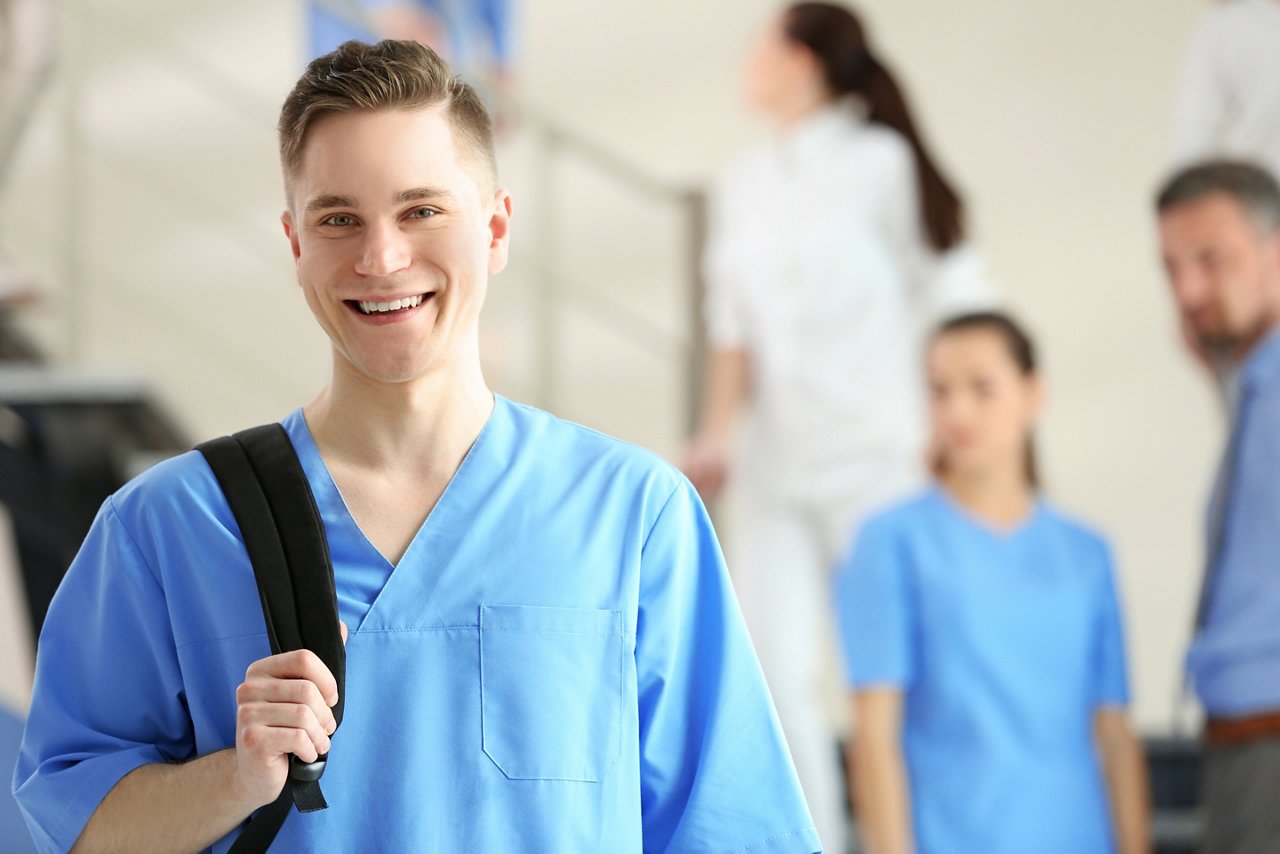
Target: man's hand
{"type": "Point", "coordinates": [283, 706]}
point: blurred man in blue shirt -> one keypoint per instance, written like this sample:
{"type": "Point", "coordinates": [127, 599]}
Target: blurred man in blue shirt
{"type": "Point", "coordinates": [1220, 237]}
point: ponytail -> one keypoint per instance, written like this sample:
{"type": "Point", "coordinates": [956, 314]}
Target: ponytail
{"type": "Point", "coordinates": [836, 39]}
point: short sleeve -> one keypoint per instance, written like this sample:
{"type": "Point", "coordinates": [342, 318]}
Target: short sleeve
{"type": "Point", "coordinates": [108, 693]}
{"type": "Point", "coordinates": [723, 303]}
{"type": "Point", "coordinates": [1111, 676]}
{"type": "Point", "coordinates": [875, 611]}
{"type": "Point", "coordinates": [715, 772]}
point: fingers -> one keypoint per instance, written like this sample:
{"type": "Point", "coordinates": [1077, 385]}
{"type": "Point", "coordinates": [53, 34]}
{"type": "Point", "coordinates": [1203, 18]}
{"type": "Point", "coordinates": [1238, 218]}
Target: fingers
{"type": "Point", "coordinates": [284, 706]}
{"type": "Point", "coordinates": [299, 664]}
{"type": "Point", "coordinates": [284, 727]}
{"type": "Point", "coordinates": [342, 627]}
{"type": "Point", "coordinates": [273, 729]}
{"type": "Point", "coordinates": [292, 692]}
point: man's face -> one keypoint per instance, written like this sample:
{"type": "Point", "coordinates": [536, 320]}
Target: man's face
{"type": "Point", "coordinates": [1224, 271]}
{"type": "Point", "coordinates": [384, 212]}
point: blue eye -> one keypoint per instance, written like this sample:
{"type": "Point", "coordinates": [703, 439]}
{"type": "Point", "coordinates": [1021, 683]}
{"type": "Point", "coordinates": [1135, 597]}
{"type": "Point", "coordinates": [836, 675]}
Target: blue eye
{"type": "Point", "coordinates": [422, 213]}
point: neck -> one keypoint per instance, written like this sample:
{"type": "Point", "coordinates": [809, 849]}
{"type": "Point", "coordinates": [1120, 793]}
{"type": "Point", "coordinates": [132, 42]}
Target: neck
{"type": "Point", "coordinates": [418, 428]}
{"type": "Point", "coordinates": [1000, 495]}
{"type": "Point", "coordinates": [801, 109]}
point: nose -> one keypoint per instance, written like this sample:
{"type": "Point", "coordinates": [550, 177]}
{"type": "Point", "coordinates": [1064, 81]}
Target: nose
{"type": "Point", "coordinates": [1189, 287]}
{"type": "Point", "coordinates": [385, 251]}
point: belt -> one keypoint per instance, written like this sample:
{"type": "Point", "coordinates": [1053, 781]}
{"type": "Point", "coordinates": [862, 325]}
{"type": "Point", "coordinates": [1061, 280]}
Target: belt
{"type": "Point", "coordinates": [1219, 732]}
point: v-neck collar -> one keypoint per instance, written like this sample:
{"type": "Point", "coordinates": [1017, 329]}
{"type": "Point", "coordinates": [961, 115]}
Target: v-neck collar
{"type": "Point", "coordinates": [333, 506]}
{"type": "Point", "coordinates": [968, 519]}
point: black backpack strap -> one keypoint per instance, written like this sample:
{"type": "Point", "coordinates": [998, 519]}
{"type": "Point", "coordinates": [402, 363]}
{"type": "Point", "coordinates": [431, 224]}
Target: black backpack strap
{"type": "Point", "coordinates": [271, 500]}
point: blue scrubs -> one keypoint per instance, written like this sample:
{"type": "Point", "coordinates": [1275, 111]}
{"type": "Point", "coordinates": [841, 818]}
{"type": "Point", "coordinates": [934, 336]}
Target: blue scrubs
{"type": "Point", "coordinates": [557, 663]}
{"type": "Point", "coordinates": [1004, 645]}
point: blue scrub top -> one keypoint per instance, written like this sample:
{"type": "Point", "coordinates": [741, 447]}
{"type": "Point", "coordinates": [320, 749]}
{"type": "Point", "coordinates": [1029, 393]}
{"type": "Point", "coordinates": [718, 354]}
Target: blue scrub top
{"type": "Point", "coordinates": [1004, 644]}
{"type": "Point", "coordinates": [556, 664]}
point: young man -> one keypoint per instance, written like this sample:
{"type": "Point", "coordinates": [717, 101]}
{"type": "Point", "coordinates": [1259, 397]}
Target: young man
{"type": "Point", "coordinates": [1220, 235]}
{"type": "Point", "coordinates": [544, 654]}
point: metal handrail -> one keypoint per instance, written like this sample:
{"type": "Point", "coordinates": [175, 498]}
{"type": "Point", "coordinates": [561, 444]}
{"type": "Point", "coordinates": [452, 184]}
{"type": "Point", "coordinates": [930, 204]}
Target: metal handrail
{"type": "Point", "coordinates": [561, 137]}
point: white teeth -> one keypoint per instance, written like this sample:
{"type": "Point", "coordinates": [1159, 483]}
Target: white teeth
{"type": "Point", "coordinates": [393, 305]}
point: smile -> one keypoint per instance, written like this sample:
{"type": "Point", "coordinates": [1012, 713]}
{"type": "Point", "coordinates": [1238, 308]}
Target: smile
{"type": "Point", "coordinates": [373, 307]}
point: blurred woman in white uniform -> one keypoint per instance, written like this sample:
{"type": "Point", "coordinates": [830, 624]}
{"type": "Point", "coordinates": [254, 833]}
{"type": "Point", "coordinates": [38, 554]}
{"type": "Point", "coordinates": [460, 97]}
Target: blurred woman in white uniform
{"type": "Point", "coordinates": [832, 249]}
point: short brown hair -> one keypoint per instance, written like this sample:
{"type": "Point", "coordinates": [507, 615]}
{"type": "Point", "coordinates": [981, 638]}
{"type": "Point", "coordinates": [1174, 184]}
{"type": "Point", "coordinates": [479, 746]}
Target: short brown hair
{"type": "Point", "coordinates": [1252, 186]}
{"type": "Point", "coordinates": [387, 75]}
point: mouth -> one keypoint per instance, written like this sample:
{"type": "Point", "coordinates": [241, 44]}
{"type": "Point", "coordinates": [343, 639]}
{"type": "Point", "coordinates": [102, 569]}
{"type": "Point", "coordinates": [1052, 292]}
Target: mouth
{"type": "Point", "coordinates": [388, 308]}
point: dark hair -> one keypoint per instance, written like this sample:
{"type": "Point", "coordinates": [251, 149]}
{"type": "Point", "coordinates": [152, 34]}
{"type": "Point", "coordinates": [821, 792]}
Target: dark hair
{"type": "Point", "coordinates": [383, 76]}
{"type": "Point", "coordinates": [1249, 184]}
{"type": "Point", "coordinates": [835, 37]}
{"type": "Point", "coordinates": [1020, 348]}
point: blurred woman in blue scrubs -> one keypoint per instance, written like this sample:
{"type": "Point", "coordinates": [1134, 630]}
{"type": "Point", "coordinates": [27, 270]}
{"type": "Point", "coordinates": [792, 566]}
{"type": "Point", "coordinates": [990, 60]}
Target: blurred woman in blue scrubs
{"type": "Point", "coordinates": [983, 638]}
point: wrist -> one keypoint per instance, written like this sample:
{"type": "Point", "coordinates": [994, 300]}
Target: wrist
{"type": "Point", "coordinates": [233, 785]}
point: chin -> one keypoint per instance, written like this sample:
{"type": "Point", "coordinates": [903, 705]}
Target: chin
{"type": "Point", "coordinates": [965, 464]}
{"type": "Point", "coordinates": [393, 370]}
{"type": "Point", "coordinates": [1219, 343]}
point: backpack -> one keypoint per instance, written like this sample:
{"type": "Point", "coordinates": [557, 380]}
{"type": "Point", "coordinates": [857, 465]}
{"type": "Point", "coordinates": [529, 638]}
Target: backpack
{"type": "Point", "coordinates": [264, 483]}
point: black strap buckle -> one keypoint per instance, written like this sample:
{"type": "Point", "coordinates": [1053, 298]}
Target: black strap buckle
{"type": "Point", "coordinates": [305, 772]}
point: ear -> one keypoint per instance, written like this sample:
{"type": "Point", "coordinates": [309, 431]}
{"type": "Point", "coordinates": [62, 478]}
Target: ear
{"type": "Point", "coordinates": [286, 220]}
{"type": "Point", "coordinates": [499, 231]}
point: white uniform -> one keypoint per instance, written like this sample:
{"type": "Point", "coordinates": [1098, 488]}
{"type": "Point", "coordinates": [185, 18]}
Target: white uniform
{"type": "Point", "coordinates": [818, 267]}
{"type": "Point", "coordinates": [1229, 97]}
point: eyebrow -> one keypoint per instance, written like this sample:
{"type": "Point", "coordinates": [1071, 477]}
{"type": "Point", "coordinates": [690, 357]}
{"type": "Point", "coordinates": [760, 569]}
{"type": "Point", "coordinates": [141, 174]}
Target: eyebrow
{"type": "Point", "coordinates": [320, 203]}
{"type": "Point", "coordinates": [414, 194]}
{"type": "Point", "coordinates": [419, 194]}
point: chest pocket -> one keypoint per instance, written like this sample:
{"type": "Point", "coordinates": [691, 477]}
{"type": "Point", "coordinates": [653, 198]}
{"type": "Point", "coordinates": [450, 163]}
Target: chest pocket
{"type": "Point", "coordinates": [551, 691]}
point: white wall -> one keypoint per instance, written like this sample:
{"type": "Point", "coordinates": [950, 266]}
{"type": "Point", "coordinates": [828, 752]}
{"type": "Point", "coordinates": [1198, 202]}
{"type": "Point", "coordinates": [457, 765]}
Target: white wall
{"type": "Point", "coordinates": [1052, 117]}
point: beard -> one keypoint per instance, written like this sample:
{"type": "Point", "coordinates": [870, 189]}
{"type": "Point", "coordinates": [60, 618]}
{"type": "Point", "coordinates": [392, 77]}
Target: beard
{"type": "Point", "coordinates": [1223, 343]}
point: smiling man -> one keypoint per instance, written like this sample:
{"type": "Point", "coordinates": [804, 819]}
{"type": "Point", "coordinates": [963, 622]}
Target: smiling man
{"type": "Point", "coordinates": [544, 654]}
